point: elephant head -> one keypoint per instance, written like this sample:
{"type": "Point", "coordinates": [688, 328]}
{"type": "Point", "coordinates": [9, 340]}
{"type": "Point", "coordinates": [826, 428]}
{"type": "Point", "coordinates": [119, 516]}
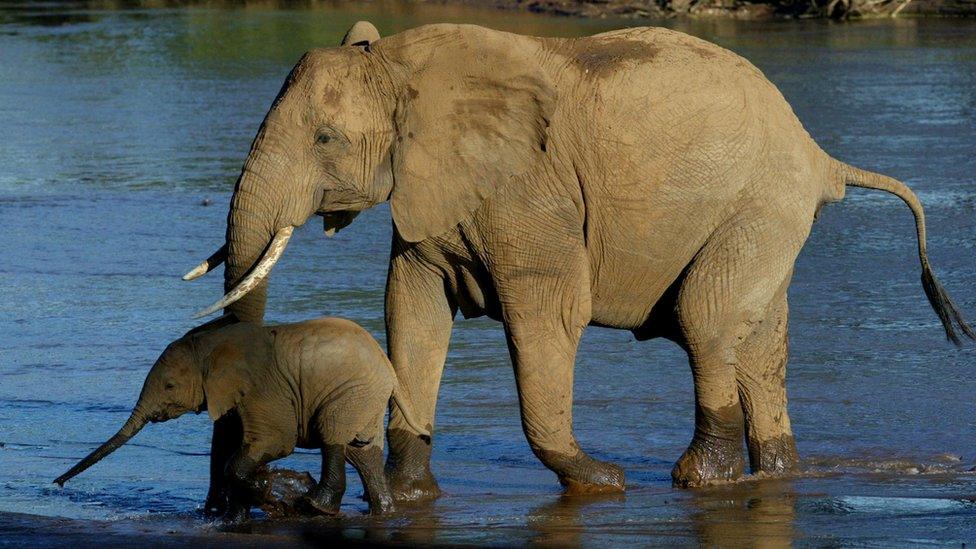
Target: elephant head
{"type": "Point", "coordinates": [403, 119]}
{"type": "Point", "coordinates": [197, 372]}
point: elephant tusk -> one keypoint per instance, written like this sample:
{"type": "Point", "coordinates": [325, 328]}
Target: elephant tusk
{"type": "Point", "coordinates": [208, 264]}
{"type": "Point", "coordinates": [257, 274]}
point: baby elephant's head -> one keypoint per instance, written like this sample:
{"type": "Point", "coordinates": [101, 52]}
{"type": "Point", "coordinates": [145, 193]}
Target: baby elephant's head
{"type": "Point", "coordinates": [174, 385]}
{"type": "Point", "coordinates": [210, 368]}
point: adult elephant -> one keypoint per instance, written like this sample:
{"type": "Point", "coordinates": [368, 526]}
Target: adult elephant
{"type": "Point", "coordinates": [640, 179]}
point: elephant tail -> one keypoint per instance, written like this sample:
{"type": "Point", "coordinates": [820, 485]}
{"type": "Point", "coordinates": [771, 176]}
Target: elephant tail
{"type": "Point", "coordinates": [950, 316]}
{"type": "Point", "coordinates": [407, 411]}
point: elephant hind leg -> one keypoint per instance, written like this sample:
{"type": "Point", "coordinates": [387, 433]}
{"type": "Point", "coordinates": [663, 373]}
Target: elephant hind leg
{"type": "Point", "coordinates": [761, 375]}
{"type": "Point", "coordinates": [727, 292]}
{"type": "Point", "coordinates": [368, 462]}
{"type": "Point", "coordinates": [715, 451]}
{"type": "Point", "coordinates": [326, 496]}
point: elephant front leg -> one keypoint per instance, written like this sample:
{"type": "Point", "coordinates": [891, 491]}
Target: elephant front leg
{"type": "Point", "coordinates": [544, 360]}
{"type": "Point", "coordinates": [227, 437]}
{"type": "Point", "coordinates": [419, 318]}
{"type": "Point", "coordinates": [243, 488]}
{"type": "Point", "coordinates": [544, 320]}
{"type": "Point", "coordinates": [240, 480]}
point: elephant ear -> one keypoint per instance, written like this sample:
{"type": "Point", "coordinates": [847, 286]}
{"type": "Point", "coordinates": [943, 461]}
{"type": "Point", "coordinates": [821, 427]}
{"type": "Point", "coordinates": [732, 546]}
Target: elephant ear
{"type": "Point", "coordinates": [229, 375]}
{"type": "Point", "coordinates": [362, 33]}
{"type": "Point", "coordinates": [473, 115]}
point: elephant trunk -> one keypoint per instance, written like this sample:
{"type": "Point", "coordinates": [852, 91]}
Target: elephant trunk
{"type": "Point", "coordinates": [251, 224]}
{"type": "Point", "coordinates": [135, 423]}
{"type": "Point", "coordinates": [269, 201]}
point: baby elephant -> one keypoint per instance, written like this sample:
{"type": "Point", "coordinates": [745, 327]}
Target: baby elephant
{"type": "Point", "coordinates": [322, 383]}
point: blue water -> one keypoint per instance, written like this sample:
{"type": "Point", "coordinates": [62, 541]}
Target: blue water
{"type": "Point", "coordinates": [118, 125]}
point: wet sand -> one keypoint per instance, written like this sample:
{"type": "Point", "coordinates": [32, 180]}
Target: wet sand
{"type": "Point", "coordinates": [898, 502]}
{"type": "Point", "coordinates": [32, 530]}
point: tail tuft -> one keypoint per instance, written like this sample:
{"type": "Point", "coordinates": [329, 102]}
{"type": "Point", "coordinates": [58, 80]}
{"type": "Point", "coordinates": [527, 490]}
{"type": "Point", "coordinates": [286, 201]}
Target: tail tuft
{"type": "Point", "coordinates": [938, 298]}
{"type": "Point", "coordinates": [944, 307]}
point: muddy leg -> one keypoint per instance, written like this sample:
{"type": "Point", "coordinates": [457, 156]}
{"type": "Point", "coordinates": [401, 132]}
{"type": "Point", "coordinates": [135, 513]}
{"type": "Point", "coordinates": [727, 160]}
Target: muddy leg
{"type": "Point", "coordinates": [715, 452]}
{"type": "Point", "coordinates": [326, 497]}
{"type": "Point", "coordinates": [761, 374]}
{"type": "Point", "coordinates": [543, 336]}
{"type": "Point", "coordinates": [419, 318]}
{"type": "Point", "coordinates": [227, 437]}
{"type": "Point", "coordinates": [244, 491]}
{"type": "Point", "coordinates": [725, 296]}
{"type": "Point", "coordinates": [368, 461]}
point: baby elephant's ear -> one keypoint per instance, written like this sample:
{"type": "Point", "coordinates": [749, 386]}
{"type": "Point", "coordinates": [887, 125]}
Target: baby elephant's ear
{"type": "Point", "coordinates": [228, 376]}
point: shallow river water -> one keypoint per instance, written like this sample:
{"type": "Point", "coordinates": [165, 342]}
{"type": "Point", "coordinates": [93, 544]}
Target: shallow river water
{"type": "Point", "coordinates": [118, 126]}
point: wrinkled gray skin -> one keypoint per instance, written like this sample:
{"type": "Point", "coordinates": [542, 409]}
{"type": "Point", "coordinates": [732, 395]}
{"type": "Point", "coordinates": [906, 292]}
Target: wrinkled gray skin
{"type": "Point", "coordinates": [322, 383]}
{"type": "Point", "coordinates": [640, 179]}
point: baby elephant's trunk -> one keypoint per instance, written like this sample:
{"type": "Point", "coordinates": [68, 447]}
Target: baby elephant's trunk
{"type": "Point", "coordinates": [129, 430]}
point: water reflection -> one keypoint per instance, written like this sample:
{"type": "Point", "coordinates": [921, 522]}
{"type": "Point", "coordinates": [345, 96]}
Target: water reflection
{"type": "Point", "coordinates": [758, 514]}
{"type": "Point", "coordinates": [559, 523]}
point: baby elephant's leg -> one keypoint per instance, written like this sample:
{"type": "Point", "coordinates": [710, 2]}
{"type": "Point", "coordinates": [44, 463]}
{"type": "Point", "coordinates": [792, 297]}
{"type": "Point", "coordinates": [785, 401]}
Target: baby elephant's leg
{"type": "Point", "coordinates": [226, 440]}
{"type": "Point", "coordinates": [327, 494]}
{"type": "Point", "coordinates": [368, 461]}
{"type": "Point", "coordinates": [240, 477]}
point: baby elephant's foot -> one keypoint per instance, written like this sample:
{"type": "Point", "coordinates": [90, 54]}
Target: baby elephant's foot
{"type": "Point", "coordinates": [414, 486]}
{"type": "Point", "coordinates": [776, 455]}
{"type": "Point", "coordinates": [320, 501]}
{"type": "Point", "coordinates": [715, 454]}
{"type": "Point", "coordinates": [702, 465]}
{"type": "Point", "coordinates": [215, 506]}
{"type": "Point", "coordinates": [236, 515]}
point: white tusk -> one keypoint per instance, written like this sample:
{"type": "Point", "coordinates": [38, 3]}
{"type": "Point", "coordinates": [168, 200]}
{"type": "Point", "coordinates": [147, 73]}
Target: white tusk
{"type": "Point", "coordinates": [208, 264]}
{"type": "Point", "coordinates": [257, 274]}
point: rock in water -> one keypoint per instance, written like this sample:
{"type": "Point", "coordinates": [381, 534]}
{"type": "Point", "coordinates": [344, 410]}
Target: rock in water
{"type": "Point", "coordinates": [280, 490]}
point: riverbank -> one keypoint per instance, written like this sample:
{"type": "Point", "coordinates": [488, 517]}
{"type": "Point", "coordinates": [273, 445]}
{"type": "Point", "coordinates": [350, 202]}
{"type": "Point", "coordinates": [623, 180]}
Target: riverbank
{"type": "Point", "coordinates": [736, 9]}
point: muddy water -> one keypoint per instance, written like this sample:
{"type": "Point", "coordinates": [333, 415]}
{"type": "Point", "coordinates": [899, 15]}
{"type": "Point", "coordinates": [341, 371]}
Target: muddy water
{"type": "Point", "coordinates": [118, 126]}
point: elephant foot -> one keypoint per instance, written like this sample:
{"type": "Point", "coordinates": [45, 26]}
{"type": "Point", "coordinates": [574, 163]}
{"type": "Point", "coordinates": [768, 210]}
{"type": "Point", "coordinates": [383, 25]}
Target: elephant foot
{"type": "Point", "coordinates": [382, 505]}
{"type": "Point", "coordinates": [413, 486]}
{"type": "Point", "coordinates": [216, 505]}
{"type": "Point", "coordinates": [715, 453]}
{"type": "Point", "coordinates": [408, 468]}
{"type": "Point", "coordinates": [580, 474]}
{"type": "Point", "coordinates": [319, 501]}
{"type": "Point", "coordinates": [237, 515]}
{"type": "Point", "coordinates": [773, 456]}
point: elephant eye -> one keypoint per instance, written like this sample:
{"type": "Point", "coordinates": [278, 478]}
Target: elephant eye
{"type": "Point", "coordinates": [328, 135]}
{"type": "Point", "coordinates": [170, 385]}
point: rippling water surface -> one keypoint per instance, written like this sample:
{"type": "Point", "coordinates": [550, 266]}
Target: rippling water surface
{"type": "Point", "coordinates": [118, 125]}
